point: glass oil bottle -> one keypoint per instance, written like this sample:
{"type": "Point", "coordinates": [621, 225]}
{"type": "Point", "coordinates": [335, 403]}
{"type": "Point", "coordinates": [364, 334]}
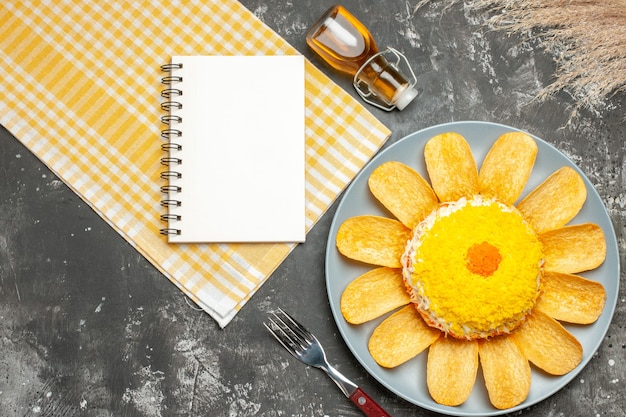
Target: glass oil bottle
{"type": "Point", "coordinates": [347, 45]}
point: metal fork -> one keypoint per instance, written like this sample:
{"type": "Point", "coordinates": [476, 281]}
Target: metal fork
{"type": "Point", "coordinates": [305, 347]}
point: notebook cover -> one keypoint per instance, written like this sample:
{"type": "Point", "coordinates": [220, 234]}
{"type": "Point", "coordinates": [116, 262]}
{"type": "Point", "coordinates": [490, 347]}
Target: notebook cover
{"type": "Point", "coordinates": [239, 160]}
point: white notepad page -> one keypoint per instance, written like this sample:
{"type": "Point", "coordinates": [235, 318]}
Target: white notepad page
{"type": "Point", "coordinates": [242, 156]}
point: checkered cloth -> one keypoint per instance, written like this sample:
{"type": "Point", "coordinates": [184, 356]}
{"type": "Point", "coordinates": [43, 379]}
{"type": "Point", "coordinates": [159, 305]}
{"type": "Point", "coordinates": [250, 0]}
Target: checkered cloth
{"type": "Point", "coordinates": [81, 90]}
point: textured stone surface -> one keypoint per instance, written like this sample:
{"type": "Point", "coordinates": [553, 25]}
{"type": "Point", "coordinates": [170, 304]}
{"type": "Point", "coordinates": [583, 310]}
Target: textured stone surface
{"type": "Point", "coordinates": [89, 328]}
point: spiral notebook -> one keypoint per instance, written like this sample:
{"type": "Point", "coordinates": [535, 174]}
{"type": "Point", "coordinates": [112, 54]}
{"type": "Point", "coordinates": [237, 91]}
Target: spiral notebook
{"type": "Point", "coordinates": [228, 181]}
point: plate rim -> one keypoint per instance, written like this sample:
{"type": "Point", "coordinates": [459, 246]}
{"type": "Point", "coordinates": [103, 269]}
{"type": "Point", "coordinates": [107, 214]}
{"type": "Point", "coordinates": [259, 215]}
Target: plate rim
{"type": "Point", "coordinates": [609, 308]}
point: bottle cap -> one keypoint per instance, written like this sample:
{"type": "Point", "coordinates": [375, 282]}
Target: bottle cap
{"type": "Point", "coordinates": [405, 97]}
{"type": "Point", "coordinates": [404, 87]}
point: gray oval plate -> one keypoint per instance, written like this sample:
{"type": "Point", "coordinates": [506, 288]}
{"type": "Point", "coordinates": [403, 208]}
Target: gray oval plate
{"type": "Point", "coordinates": [409, 379]}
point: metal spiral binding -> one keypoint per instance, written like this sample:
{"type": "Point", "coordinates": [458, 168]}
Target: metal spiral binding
{"type": "Point", "coordinates": [171, 161]}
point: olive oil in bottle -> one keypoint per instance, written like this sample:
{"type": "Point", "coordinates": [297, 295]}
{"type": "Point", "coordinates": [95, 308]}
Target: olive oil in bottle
{"type": "Point", "coordinates": [346, 45]}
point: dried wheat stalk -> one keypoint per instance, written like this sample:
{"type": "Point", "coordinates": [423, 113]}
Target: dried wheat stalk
{"type": "Point", "coordinates": [588, 38]}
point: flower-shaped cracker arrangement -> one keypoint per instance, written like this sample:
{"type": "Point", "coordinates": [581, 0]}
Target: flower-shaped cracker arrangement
{"type": "Point", "coordinates": [476, 280]}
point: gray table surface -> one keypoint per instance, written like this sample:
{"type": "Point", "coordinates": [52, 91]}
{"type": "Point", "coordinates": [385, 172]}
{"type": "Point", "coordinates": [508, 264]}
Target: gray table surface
{"type": "Point", "coordinates": [88, 327]}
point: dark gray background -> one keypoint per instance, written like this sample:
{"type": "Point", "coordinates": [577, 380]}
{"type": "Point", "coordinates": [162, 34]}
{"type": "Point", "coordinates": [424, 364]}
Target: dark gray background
{"type": "Point", "coordinates": [89, 328]}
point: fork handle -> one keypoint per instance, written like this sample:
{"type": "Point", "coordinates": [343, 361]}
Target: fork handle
{"type": "Point", "coordinates": [367, 405]}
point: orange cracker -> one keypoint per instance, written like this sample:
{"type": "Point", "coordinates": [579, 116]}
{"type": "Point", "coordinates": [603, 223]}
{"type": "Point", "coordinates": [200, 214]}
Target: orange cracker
{"type": "Point", "coordinates": [507, 167]}
{"type": "Point", "coordinates": [451, 167]}
{"type": "Point", "coordinates": [373, 294]}
{"type": "Point", "coordinates": [451, 370]}
{"type": "Point", "coordinates": [555, 201]}
{"type": "Point", "coordinates": [373, 239]}
{"type": "Point", "coordinates": [548, 345]}
{"type": "Point", "coordinates": [506, 371]}
{"type": "Point", "coordinates": [571, 298]}
{"type": "Point", "coordinates": [401, 337]}
{"type": "Point", "coordinates": [574, 248]}
{"type": "Point", "coordinates": [403, 191]}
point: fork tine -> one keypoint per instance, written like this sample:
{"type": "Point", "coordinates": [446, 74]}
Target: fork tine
{"type": "Point", "coordinates": [294, 337]}
{"type": "Point", "coordinates": [281, 337]}
{"type": "Point", "coordinates": [298, 329]}
{"type": "Point", "coordinates": [287, 338]}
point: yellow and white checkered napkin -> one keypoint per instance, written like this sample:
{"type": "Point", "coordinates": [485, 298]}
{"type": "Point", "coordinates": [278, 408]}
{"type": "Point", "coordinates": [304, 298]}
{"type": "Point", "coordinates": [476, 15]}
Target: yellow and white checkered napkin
{"type": "Point", "coordinates": [81, 91]}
